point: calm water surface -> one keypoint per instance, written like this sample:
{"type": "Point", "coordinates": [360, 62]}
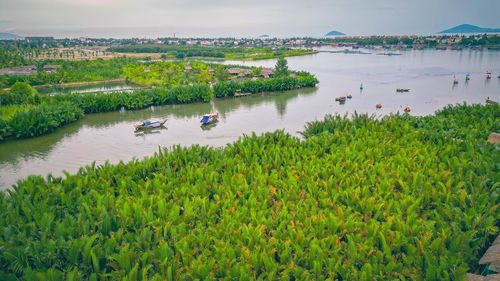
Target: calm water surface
{"type": "Point", "coordinates": [110, 136]}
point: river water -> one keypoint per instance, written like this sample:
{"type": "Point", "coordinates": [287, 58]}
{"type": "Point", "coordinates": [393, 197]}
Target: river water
{"type": "Point", "coordinates": [104, 87]}
{"type": "Point", "coordinates": [110, 136]}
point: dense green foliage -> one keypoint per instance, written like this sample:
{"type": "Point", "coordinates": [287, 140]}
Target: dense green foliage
{"type": "Point", "coordinates": [93, 103]}
{"type": "Point", "coordinates": [300, 80]}
{"type": "Point", "coordinates": [174, 51]}
{"type": "Point", "coordinates": [39, 120]}
{"type": "Point", "coordinates": [10, 56]}
{"type": "Point", "coordinates": [398, 198]}
{"type": "Point", "coordinates": [72, 71]}
{"type": "Point", "coordinates": [168, 74]}
{"type": "Point", "coordinates": [7, 111]}
{"type": "Point", "coordinates": [19, 93]}
{"type": "Point", "coordinates": [281, 68]}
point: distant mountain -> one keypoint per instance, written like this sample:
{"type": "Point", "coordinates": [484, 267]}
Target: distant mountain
{"type": "Point", "coordinates": [9, 36]}
{"type": "Point", "coordinates": [334, 33]}
{"type": "Point", "coordinates": [469, 28]}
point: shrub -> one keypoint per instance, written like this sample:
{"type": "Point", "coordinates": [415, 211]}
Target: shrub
{"type": "Point", "coordinates": [42, 119]}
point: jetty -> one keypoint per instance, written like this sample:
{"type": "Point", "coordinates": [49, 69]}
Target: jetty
{"type": "Point", "coordinates": [491, 261]}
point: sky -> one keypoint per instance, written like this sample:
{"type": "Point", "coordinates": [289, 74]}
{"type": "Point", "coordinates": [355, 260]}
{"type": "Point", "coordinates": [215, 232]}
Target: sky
{"type": "Point", "coordinates": [240, 18]}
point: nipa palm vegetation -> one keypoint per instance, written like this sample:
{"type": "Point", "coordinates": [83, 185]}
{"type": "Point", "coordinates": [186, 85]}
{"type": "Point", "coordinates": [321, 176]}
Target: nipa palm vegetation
{"type": "Point", "coordinates": [396, 198]}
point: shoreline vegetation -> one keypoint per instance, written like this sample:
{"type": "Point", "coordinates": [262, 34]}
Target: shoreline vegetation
{"type": "Point", "coordinates": [25, 113]}
{"type": "Point", "coordinates": [223, 53]}
{"type": "Point", "coordinates": [359, 198]}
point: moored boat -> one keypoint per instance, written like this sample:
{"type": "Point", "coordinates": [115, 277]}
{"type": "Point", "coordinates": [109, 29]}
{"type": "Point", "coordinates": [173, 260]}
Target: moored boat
{"type": "Point", "coordinates": [378, 106]}
{"type": "Point", "coordinates": [349, 96]}
{"type": "Point", "coordinates": [488, 75]}
{"type": "Point", "coordinates": [341, 99]}
{"type": "Point", "coordinates": [407, 109]}
{"type": "Point", "coordinates": [150, 125]}
{"type": "Point", "coordinates": [402, 90]}
{"type": "Point", "coordinates": [209, 118]}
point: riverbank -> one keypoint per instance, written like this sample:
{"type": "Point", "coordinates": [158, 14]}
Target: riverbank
{"type": "Point", "coordinates": [351, 206]}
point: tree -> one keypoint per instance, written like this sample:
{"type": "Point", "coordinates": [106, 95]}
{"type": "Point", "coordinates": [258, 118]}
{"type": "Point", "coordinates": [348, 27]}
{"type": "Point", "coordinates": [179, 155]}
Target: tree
{"type": "Point", "coordinates": [281, 69]}
{"type": "Point", "coordinates": [220, 73]}
{"type": "Point", "coordinates": [20, 93]}
{"type": "Point", "coordinates": [256, 71]}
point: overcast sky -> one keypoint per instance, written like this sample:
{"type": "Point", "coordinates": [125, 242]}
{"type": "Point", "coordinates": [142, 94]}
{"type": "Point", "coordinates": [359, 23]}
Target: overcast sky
{"type": "Point", "coordinates": [240, 18]}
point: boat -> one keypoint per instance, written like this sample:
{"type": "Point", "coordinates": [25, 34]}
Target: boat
{"type": "Point", "coordinates": [361, 86]}
{"type": "Point", "coordinates": [407, 109]}
{"type": "Point", "coordinates": [488, 75]}
{"type": "Point", "coordinates": [455, 80]}
{"type": "Point", "coordinates": [467, 77]}
{"type": "Point", "coordinates": [378, 106]}
{"type": "Point", "coordinates": [490, 101]}
{"type": "Point", "coordinates": [402, 90]}
{"type": "Point", "coordinates": [209, 118]}
{"type": "Point", "coordinates": [341, 99]}
{"type": "Point", "coordinates": [150, 125]}
{"type": "Point", "coordinates": [349, 96]}
{"type": "Point", "coordinates": [239, 94]}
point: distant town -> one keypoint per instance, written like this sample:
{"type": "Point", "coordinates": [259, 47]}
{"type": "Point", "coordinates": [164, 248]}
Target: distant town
{"type": "Point", "coordinates": [400, 41]}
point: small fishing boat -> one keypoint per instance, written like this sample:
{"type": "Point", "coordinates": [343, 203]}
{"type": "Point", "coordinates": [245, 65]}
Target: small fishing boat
{"type": "Point", "coordinates": [150, 125]}
{"type": "Point", "coordinates": [488, 75]}
{"type": "Point", "coordinates": [361, 86]}
{"type": "Point", "coordinates": [467, 77]}
{"type": "Point", "coordinates": [490, 101]}
{"type": "Point", "coordinates": [349, 96]}
{"type": "Point", "coordinates": [378, 106]}
{"type": "Point", "coordinates": [209, 118]}
{"type": "Point", "coordinates": [407, 109]}
{"type": "Point", "coordinates": [402, 90]}
{"type": "Point", "coordinates": [455, 80]}
{"type": "Point", "coordinates": [341, 99]}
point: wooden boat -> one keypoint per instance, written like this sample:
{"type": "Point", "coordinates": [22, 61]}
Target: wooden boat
{"type": "Point", "coordinates": [349, 96]}
{"type": "Point", "coordinates": [407, 109]}
{"type": "Point", "coordinates": [455, 80]}
{"type": "Point", "coordinates": [341, 99]}
{"type": "Point", "coordinates": [402, 90]}
{"type": "Point", "coordinates": [378, 106]}
{"type": "Point", "coordinates": [467, 77]}
{"type": "Point", "coordinates": [490, 101]}
{"type": "Point", "coordinates": [209, 118]}
{"type": "Point", "coordinates": [150, 125]}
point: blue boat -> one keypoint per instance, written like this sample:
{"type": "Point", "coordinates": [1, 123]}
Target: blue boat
{"type": "Point", "coordinates": [150, 125]}
{"type": "Point", "coordinates": [209, 118]}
